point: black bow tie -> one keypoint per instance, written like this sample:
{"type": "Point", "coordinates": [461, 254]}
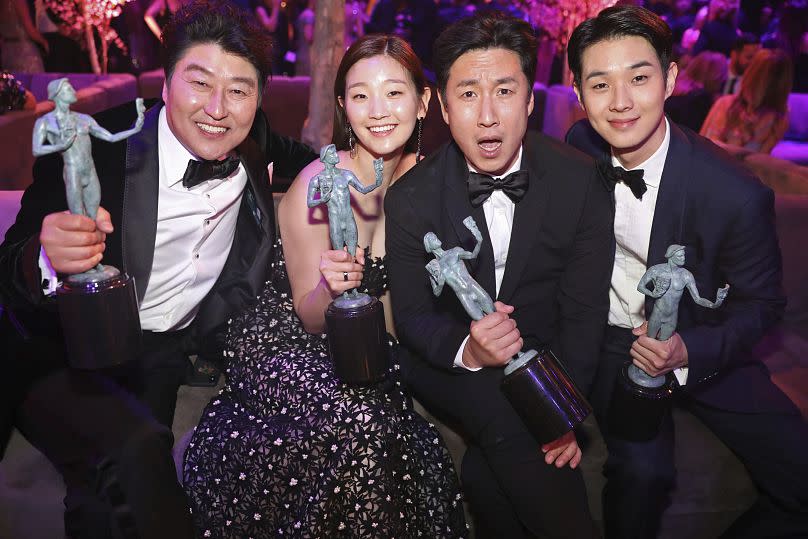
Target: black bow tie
{"type": "Point", "coordinates": [201, 171]}
{"type": "Point", "coordinates": [632, 178]}
{"type": "Point", "coordinates": [481, 186]}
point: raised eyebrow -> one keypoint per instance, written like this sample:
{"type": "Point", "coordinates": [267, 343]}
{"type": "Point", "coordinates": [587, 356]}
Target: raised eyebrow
{"type": "Point", "coordinates": [506, 80]}
{"type": "Point", "coordinates": [207, 71]}
{"type": "Point", "coordinates": [642, 63]}
{"type": "Point", "coordinates": [357, 84]}
{"type": "Point", "coordinates": [465, 83]}
{"type": "Point", "coordinates": [197, 67]}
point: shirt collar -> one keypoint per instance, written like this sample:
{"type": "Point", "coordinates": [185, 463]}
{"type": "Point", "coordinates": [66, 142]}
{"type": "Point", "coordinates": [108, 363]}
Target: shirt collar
{"type": "Point", "coordinates": [653, 166]}
{"type": "Point", "coordinates": [175, 155]}
{"type": "Point", "coordinates": [517, 165]}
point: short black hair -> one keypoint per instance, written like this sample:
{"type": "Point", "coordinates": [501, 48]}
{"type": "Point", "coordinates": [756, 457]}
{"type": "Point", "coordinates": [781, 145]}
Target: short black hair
{"type": "Point", "coordinates": [616, 22]}
{"type": "Point", "coordinates": [746, 38]}
{"type": "Point", "coordinates": [220, 23]}
{"type": "Point", "coordinates": [488, 30]}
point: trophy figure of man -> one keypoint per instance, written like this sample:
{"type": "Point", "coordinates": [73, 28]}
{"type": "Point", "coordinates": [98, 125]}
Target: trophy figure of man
{"type": "Point", "coordinates": [535, 382]}
{"type": "Point", "coordinates": [357, 336]}
{"type": "Point", "coordinates": [333, 185]}
{"type": "Point", "coordinates": [98, 307]}
{"type": "Point", "coordinates": [640, 400]}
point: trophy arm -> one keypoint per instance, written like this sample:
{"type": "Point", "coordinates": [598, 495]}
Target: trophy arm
{"type": "Point", "coordinates": [435, 277]}
{"type": "Point", "coordinates": [704, 302]}
{"type": "Point", "coordinates": [364, 189]}
{"type": "Point", "coordinates": [660, 285]}
{"type": "Point", "coordinates": [314, 187]}
{"type": "Point", "coordinates": [472, 226]}
{"type": "Point", "coordinates": [39, 137]}
{"type": "Point", "coordinates": [99, 132]}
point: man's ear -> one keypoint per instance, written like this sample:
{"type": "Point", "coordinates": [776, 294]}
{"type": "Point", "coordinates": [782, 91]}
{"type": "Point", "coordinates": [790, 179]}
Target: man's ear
{"type": "Point", "coordinates": [530, 101]}
{"type": "Point", "coordinates": [165, 91]}
{"type": "Point", "coordinates": [443, 110]}
{"type": "Point", "coordinates": [579, 95]}
{"type": "Point", "coordinates": [670, 83]}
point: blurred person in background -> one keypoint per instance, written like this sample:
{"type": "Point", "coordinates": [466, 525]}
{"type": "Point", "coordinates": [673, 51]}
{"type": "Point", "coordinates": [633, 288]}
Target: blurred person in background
{"type": "Point", "coordinates": [696, 89]}
{"type": "Point", "coordinates": [721, 29]}
{"type": "Point", "coordinates": [19, 38]}
{"type": "Point", "coordinates": [757, 117]}
{"type": "Point", "coordinates": [744, 49]}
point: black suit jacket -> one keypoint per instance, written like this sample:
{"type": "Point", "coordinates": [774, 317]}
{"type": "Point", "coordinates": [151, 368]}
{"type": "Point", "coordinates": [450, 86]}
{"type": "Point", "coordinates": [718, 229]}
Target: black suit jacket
{"type": "Point", "coordinates": [559, 259]}
{"type": "Point", "coordinates": [724, 217]}
{"type": "Point", "coordinates": [128, 172]}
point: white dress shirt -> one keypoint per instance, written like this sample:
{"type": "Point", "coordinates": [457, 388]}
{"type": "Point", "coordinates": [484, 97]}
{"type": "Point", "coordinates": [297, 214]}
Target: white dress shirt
{"type": "Point", "coordinates": [195, 229]}
{"type": "Point", "coordinates": [632, 233]}
{"type": "Point", "coordinates": [498, 209]}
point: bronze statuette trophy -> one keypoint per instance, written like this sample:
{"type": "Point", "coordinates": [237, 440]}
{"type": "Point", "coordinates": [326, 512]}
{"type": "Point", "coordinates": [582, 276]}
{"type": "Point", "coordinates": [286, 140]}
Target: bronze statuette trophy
{"type": "Point", "coordinates": [357, 336]}
{"type": "Point", "coordinates": [98, 308]}
{"type": "Point", "coordinates": [640, 401]}
{"type": "Point", "coordinates": [535, 382]}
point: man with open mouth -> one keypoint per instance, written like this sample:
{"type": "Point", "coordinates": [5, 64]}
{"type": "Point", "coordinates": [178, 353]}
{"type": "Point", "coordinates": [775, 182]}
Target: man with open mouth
{"type": "Point", "coordinates": [545, 256]}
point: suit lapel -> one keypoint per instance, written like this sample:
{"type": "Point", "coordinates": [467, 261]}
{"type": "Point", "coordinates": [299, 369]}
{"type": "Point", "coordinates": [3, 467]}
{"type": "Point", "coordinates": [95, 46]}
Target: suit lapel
{"type": "Point", "coordinates": [457, 207]}
{"type": "Point", "coordinates": [139, 222]}
{"type": "Point", "coordinates": [670, 205]}
{"type": "Point", "coordinates": [250, 255]}
{"type": "Point", "coordinates": [527, 219]}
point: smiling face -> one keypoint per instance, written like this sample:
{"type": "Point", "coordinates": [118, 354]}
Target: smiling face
{"type": "Point", "coordinates": [382, 104]}
{"type": "Point", "coordinates": [486, 105]}
{"type": "Point", "coordinates": [623, 92]}
{"type": "Point", "coordinates": [211, 100]}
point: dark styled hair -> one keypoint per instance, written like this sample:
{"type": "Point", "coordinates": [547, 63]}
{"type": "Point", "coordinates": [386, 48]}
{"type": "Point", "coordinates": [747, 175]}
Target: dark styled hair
{"type": "Point", "coordinates": [743, 40]}
{"type": "Point", "coordinates": [220, 23]}
{"type": "Point", "coordinates": [616, 22]}
{"type": "Point", "coordinates": [487, 30]}
{"type": "Point", "coordinates": [368, 47]}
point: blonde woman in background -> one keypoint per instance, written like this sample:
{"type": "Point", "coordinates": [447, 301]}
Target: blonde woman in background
{"type": "Point", "coordinates": [757, 117]}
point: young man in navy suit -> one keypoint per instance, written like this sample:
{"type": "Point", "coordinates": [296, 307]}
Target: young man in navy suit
{"type": "Point", "coordinates": [692, 194]}
{"type": "Point", "coordinates": [198, 247]}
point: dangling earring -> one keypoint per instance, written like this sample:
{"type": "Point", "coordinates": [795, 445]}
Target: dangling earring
{"type": "Point", "coordinates": [420, 123]}
{"type": "Point", "coordinates": [351, 143]}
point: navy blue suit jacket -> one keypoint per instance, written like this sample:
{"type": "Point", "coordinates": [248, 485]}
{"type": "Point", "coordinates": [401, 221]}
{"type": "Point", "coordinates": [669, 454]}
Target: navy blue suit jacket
{"type": "Point", "coordinates": [724, 217]}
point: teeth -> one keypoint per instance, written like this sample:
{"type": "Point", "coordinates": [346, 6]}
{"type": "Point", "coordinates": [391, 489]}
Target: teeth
{"type": "Point", "coordinates": [211, 128]}
{"type": "Point", "coordinates": [490, 146]}
{"type": "Point", "coordinates": [382, 129]}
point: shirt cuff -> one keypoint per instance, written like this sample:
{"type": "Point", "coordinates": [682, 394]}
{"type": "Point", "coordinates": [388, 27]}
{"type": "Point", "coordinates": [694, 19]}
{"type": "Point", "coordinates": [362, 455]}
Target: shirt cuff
{"type": "Point", "coordinates": [458, 360]}
{"type": "Point", "coordinates": [681, 375]}
{"type": "Point", "coordinates": [49, 279]}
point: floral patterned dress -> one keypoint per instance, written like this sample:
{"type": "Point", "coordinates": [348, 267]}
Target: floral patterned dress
{"type": "Point", "coordinates": [286, 450]}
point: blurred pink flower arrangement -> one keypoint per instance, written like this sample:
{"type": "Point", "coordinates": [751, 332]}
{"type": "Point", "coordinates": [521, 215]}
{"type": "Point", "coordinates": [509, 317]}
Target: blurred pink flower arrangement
{"type": "Point", "coordinates": [84, 20]}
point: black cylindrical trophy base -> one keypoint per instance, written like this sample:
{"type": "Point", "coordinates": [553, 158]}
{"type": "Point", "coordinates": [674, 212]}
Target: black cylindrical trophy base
{"type": "Point", "coordinates": [100, 322]}
{"type": "Point", "coordinates": [357, 340]}
{"type": "Point", "coordinates": [544, 396]}
{"type": "Point", "coordinates": [636, 412]}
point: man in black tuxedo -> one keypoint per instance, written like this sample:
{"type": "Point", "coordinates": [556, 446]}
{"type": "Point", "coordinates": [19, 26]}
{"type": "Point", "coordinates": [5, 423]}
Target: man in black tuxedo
{"type": "Point", "coordinates": [545, 257]}
{"type": "Point", "coordinates": [684, 190]}
{"type": "Point", "coordinates": [197, 246]}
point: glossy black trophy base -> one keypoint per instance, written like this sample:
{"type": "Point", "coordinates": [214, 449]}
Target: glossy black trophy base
{"type": "Point", "coordinates": [543, 395]}
{"type": "Point", "coordinates": [357, 339]}
{"type": "Point", "coordinates": [100, 318]}
{"type": "Point", "coordinates": [636, 409]}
